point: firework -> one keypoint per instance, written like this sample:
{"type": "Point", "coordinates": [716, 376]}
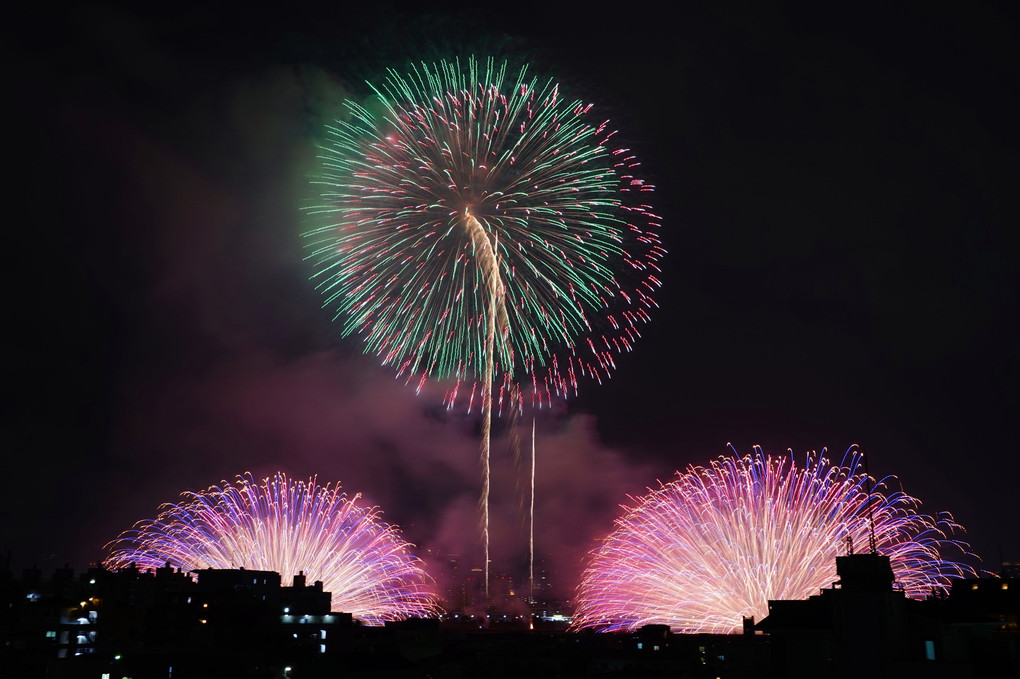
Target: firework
{"type": "Point", "coordinates": [482, 229]}
{"type": "Point", "coordinates": [473, 184]}
{"type": "Point", "coordinates": [284, 526]}
{"type": "Point", "coordinates": [716, 544]}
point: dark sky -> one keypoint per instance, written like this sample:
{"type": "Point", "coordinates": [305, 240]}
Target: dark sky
{"type": "Point", "coordinates": [839, 201]}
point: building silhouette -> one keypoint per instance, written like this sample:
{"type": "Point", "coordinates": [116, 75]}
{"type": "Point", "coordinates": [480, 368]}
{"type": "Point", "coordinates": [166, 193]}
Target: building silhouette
{"type": "Point", "coordinates": [171, 624]}
{"type": "Point", "coordinates": [165, 623]}
{"type": "Point", "coordinates": [865, 626]}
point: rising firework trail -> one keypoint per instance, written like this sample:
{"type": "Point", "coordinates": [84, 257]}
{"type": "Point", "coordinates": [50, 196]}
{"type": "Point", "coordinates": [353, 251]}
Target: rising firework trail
{"type": "Point", "coordinates": [285, 526]}
{"type": "Point", "coordinates": [478, 227]}
{"type": "Point", "coordinates": [531, 518]}
{"type": "Point", "coordinates": [716, 544]}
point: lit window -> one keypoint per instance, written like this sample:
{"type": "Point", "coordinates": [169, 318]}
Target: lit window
{"type": "Point", "coordinates": [974, 586]}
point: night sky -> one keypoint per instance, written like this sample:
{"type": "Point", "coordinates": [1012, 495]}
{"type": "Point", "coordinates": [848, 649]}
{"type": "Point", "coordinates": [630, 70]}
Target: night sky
{"type": "Point", "coordinates": [839, 196]}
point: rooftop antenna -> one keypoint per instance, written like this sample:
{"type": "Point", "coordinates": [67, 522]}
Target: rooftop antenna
{"type": "Point", "coordinates": [871, 507]}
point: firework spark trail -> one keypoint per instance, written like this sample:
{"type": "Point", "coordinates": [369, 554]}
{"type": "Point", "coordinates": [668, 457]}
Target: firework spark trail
{"type": "Point", "coordinates": [283, 526]}
{"type": "Point", "coordinates": [471, 184]}
{"type": "Point", "coordinates": [488, 262]}
{"type": "Point", "coordinates": [531, 515]}
{"type": "Point", "coordinates": [714, 545]}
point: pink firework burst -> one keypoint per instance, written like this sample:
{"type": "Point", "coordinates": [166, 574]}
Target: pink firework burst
{"type": "Point", "coordinates": [716, 544]}
{"type": "Point", "coordinates": [286, 526]}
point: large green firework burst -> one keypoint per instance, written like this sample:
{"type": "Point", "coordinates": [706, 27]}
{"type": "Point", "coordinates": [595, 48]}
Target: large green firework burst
{"type": "Point", "coordinates": [472, 203]}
